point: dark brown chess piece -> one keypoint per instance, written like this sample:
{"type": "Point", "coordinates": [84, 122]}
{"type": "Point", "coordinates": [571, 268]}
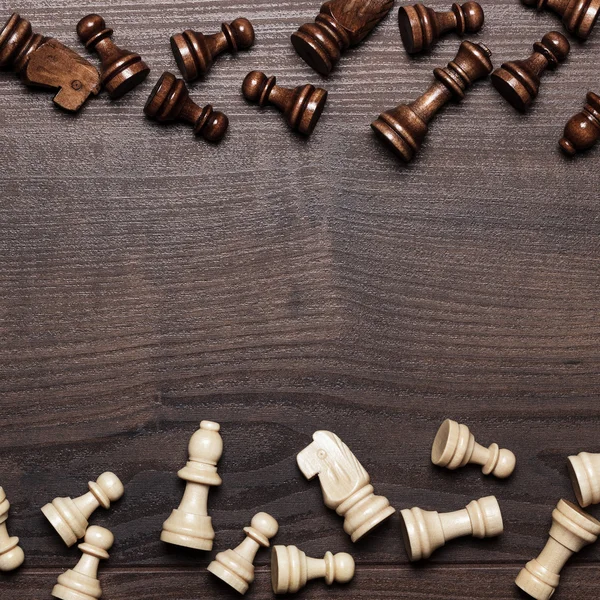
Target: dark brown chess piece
{"type": "Point", "coordinates": [302, 106]}
{"type": "Point", "coordinates": [578, 16]}
{"type": "Point", "coordinates": [196, 52]}
{"type": "Point", "coordinates": [45, 62]}
{"type": "Point", "coordinates": [519, 81]}
{"type": "Point", "coordinates": [122, 70]}
{"type": "Point", "coordinates": [170, 101]}
{"type": "Point", "coordinates": [340, 25]}
{"type": "Point", "coordinates": [404, 127]}
{"type": "Point", "coordinates": [582, 130]}
{"type": "Point", "coordinates": [421, 27]}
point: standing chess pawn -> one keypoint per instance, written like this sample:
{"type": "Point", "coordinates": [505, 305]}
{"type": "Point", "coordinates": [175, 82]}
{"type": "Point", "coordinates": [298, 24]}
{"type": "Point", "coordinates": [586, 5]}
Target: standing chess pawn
{"type": "Point", "coordinates": [421, 27]}
{"type": "Point", "coordinates": [70, 517]}
{"type": "Point", "coordinates": [404, 127]}
{"type": "Point", "coordinates": [583, 129]}
{"type": "Point", "coordinates": [454, 446]}
{"type": "Point", "coordinates": [571, 530]}
{"type": "Point", "coordinates": [425, 531]}
{"type": "Point", "coordinates": [578, 16]}
{"type": "Point", "coordinates": [170, 101]}
{"type": "Point", "coordinates": [302, 106]}
{"type": "Point", "coordinates": [291, 569]}
{"type": "Point", "coordinates": [584, 470]}
{"type": "Point", "coordinates": [11, 554]}
{"type": "Point", "coordinates": [196, 52]}
{"type": "Point", "coordinates": [235, 567]}
{"type": "Point", "coordinates": [122, 70]}
{"type": "Point", "coordinates": [81, 583]}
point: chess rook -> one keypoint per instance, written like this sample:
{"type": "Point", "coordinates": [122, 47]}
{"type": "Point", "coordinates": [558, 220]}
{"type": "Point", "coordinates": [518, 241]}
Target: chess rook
{"type": "Point", "coordinates": [196, 52]}
{"type": "Point", "coordinates": [571, 530]}
{"type": "Point", "coordinates": [189, 525]}
{"type": "Point", "coordinates": [578, 16]}
{"type": "Point", "coordinates": [425, 531]}
{"type": "Point", "coordinates": [421, 27]}
{"type": "Point", "coordinates": [403, 128]}
{"type": "Point", "coordinates": [584, 470]}
{"type": "Point", "coordinates": [70, 517]}
{"type": "Point", "coordinates": [170, 101]}
{"type": "Point", "coordinates": [81, 582]}
{"type": "Point", "coordinates": [291, 569]}
{"type": "Point", "coordinates": [583, 129]}
{"type": "Point", "coordinates": [235, 567]}
{"type": "Point", "coordinates": [454, 446]}
{"type": "Point", "coordinates": [345, 484]}
{"type": "Point", "coordinates": [11, 554]}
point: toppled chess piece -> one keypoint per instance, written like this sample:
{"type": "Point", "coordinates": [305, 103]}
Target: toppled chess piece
{"type": "Point", "coordinates": [189, 525]}
{"type": "Point", "coordinates": [425, 531]}
{"type": "Point", "coordinates": [341, 24]}
{"type": "Point", "coordinates": [45, 62]}
{"type": "Point", "coordinates": [345, 484]}
{"type": "Point", "coordinates": [291, 569]}
{"type": "Point", "coordinates": [196, 52]}
{"type": "Point", "coordinates": [421, 27]}
{"type": "Point", "coordinates": [454, 446]}
{"type": "Point", "coordinates": [584, 470]}
{"type": "Point", "coordinates": [70, 517]}
{"type": "Point", "coordinates": [403, 128]}
{"type": "Point", "coordinates": [301, 106]}
{"type": "Point", "coordinates": [11, 554]}
{"type": "Point", "coordinates": [122, 70]}
{"type": "Point", "coordinates": [571, 530]}
{"type": "Point", "coordinates": [578, 16]}
{"type": "Point", "coordinates": [583, 129]}
{"type": "Point", "coordinates": [235, 567]}
{"type": "Point", "coordinates": [170, 101]}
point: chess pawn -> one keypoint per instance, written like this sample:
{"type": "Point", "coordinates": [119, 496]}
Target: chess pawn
{"type": "Point", "coordinates": [425, 531]}
{"type": "Point", "coordinates": [403, 128]}
{"type": "Point", "coordinates": [11, 554]}
{"type": "Point", "coordinates": [122, 70]}
{"type": "Point", "coordinates": [583, 129]}
{"type": "Point", "coordinates": [571, 530]}
{"type": "Point", "coordinates": [578, 16]}
{"type": "Point", "coordinates": [196, 52]}
{"type": "Point", "coordinates": [189, 525]}
{"type": "Point", "coordinates": [345, 484]}
{"type": "Point", "coordinates": [70, 517]}
{"type": "Point", "coordinates": [584, 470]}
{"type": "Point", "coordinates": [301, 106]}
{"type": "Point", "coordinates": [81, 583]}
{"type": "Point", "coordinates": [421, 27]}
{"type": "Point", "coordinates": [170, 101]}
{"type": "Point", "coordinates": [291, 569]}
{"type": "Point", "coordinates": [454, 446]}
{"type": "Point", "coordinates": [235, 567]}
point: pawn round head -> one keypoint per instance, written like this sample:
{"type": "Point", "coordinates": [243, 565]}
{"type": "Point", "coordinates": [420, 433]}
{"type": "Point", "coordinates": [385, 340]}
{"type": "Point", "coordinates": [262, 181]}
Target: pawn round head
{"type": "Point", "coordinates": [265, 524]}
{"type": "Point", "coordinates": [111, 485]}
{"type": "Point", "coordinates": [206, 445]}
{"type": "Point", "coordinates": [89, 27]}
{"type": "Point", "coordinates": [506, 464]}
{"type": "Point", "coordinates": [9, 561]}
{"type": "Point", "coordinates": [474, 18]}
{"type": "Point", "coordinates": [557, 44]}
{"type": "Point", "coordinates": [243, 32]}
{"type": "Point", "coordinates": [344, 567]}
{"type": "Point", "coordinates": [254, 86]}
{"type": "Point", "coordinates": [214, 130]}
{"type": "Point", "coordinates": [99, 537]}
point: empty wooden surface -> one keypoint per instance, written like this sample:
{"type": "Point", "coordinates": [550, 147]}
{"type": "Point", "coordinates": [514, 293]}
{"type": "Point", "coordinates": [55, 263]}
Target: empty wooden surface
{"type": "Point", "coordinates": [278, 285]}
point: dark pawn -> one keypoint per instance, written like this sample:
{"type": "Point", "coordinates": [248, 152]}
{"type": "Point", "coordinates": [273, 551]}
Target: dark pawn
{"type": "Point", "coordinates": [170, 101]}
{"type": "Point", "coordinates": [122, 70]}
{"type": "Point", "coordinates": [196, 52]}
{"type": "Point", "coordinates": [583, 129]}
{"type": "Point", "coordinates": [301, 106]}
{"type": "Point", "coordinates": [421, 27]}
{"type": "Point", "coordinates": [519, 81]}
{"type": "Point", "coordinates": [578, 16]}
{"type": "Point", "coordinates": [404, 127]}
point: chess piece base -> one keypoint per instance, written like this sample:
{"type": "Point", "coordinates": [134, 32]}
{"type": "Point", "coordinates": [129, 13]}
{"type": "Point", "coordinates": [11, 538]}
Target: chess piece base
{"type": "Point", "coordinates": [62, 528]}
{"type": "Point", "coordinates": [373, 522]}
{"type": "Point", "coordinates": [311, 113]}
{"type": "Point", "coordinates": [316, 54]}
{"type": "Point", "coordinates": [533, 586]}
{"type": "Point", "coordinates": [188, 530]}
{"type": "Point", "coordinates": [388, 131]}
{"type": "Point", "coordinates": [514, 87]}
{"type": "Point", "coordinates": [124, 76]}
{"type": "Point", "coordinates": [236, 582]}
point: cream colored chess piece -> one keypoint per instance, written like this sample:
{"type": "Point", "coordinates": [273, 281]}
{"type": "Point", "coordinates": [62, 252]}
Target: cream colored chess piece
{"type": "Point", "coordinates": [235, 567]}
{"type": "Point", "coordinates": [346, 485]}
{"type": "Point", "coordinates": [454, 446]}
{"type": "Point", "coordinates": [81, 583]}
{"type": "Point", "coordinates": [189, 525]}
{"type": "Point", "coordinates": [291, 569]}
{"type": "Point", "coordinates": [70, 517]}
{"type": "Point", "coordinates": [11, 555]}
{"type": "Point", "coordinates": [585, 476]}
{"type": "Point", "coordinates": [425, 531]}
{"type": "Point", "coordinates": [571, 530]}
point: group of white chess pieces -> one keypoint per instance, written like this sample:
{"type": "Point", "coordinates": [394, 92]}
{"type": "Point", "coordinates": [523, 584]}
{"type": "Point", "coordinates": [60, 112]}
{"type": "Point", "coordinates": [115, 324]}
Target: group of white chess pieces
{"type": "Point", "coordinates": [346, 489]}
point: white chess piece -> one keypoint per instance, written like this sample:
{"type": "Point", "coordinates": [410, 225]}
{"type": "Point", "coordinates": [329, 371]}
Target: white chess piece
{"type": "Point", "coordinates": [11, 554]}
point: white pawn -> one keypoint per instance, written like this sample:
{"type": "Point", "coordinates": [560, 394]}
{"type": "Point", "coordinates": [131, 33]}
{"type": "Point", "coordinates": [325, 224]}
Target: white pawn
{"type": "Point", "coordinates": [291, 569]}
{"type": "Point", "coordinates": [81, 583]}
{"type": "Point", "coordinates": [235, 567]}
{"type": "Point", "coordinates": [585, 477]}
{"type": "Point", "coordinates": [70, 517]}
{"type": "Point", "coordinates": [189, 525]}
{"type": "Point", "coordinates": [11, 555]}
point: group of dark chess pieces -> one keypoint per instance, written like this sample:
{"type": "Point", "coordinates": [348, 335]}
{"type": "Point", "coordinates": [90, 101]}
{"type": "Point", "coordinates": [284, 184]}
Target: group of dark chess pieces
{"type": "Point", "coordinates": [341, 24]}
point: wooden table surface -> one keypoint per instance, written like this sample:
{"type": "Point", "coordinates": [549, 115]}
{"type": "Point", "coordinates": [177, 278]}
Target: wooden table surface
{"type": "Point", "coordinates": [277, 285]}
